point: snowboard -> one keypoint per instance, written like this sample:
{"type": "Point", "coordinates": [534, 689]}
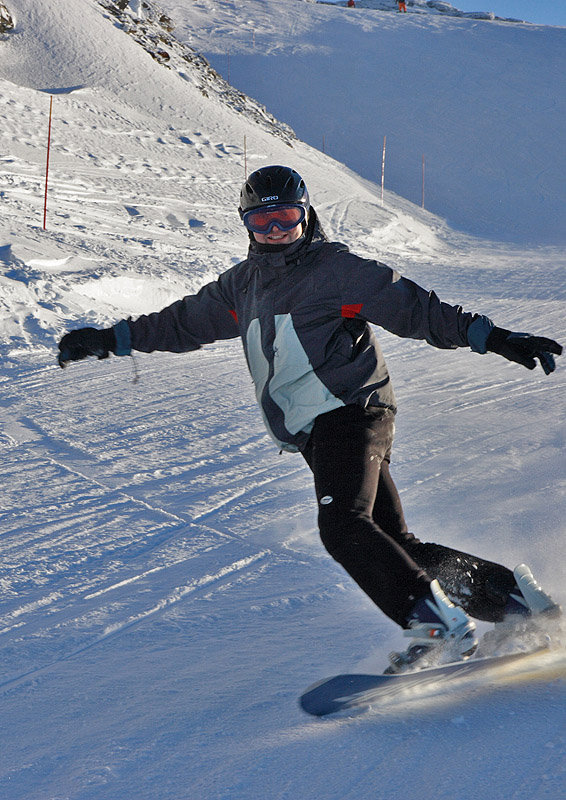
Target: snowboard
{"type": "Point", "coordinates": [358, 691]}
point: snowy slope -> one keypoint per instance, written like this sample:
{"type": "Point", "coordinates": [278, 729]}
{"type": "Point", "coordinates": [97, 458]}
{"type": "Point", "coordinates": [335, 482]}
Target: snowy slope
{"type": "Point", "coordinates": [165, 597]}
{"type": "Point", "coordinates": [483, 101]}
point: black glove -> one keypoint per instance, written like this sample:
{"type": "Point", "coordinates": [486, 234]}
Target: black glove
{"type": "Point", "coordinates": [524, 348]}
{"type": "Point", "coordinates": [86, 342]}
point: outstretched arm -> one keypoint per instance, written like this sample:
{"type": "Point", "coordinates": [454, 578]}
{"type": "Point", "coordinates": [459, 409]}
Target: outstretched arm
{"type": "Point", "coordinates": [183, 326]}
{"type": "Point", "coordinates": [382, 296]}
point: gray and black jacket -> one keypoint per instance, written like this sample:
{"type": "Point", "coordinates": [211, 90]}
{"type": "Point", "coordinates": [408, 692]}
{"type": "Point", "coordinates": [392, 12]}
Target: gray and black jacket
{"type": "Point", "coordinates": [303, 315]}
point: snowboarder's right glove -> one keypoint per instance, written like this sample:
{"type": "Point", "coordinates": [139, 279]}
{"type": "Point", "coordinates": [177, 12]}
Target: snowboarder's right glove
{"type": "Point", "coordinates": [85, 342]}
{"type": "Point", "coordinates": [523, 348]}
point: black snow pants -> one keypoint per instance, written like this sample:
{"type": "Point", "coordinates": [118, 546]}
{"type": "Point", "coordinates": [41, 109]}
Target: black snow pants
{"type": "Point", "coordinates": [363, 527]}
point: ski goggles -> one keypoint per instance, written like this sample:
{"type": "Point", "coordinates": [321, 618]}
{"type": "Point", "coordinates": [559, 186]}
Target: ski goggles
{"type": "Point", "coordinates": [284, 217]}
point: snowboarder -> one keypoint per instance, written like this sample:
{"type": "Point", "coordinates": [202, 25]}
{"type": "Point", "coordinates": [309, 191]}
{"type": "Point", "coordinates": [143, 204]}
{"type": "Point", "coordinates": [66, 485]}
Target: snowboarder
{"type": "Point", "coordinates": [303, 307]}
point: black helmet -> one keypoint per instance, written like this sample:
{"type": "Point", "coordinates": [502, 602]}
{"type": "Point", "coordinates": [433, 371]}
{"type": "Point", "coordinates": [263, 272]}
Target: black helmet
{"type": "Point", "coordinates": [270, 186]}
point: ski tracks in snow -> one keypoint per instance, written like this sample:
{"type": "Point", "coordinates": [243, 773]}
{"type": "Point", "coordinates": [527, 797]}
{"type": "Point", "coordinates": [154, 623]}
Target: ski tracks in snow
{"type": "Point", "coordinates": [92, 545]}
{"type": "Point", "coordinates": [222, 577]}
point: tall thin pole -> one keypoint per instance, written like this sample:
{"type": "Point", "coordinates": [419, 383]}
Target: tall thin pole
{"type": "Point", "coordinates": [245, 158]}
{"type": "Point", "coordinates": [422, 198]}
{"type": "Point", "coordinates": [383, 168]}
{"type": "Point", "coordinates": [47, 162]}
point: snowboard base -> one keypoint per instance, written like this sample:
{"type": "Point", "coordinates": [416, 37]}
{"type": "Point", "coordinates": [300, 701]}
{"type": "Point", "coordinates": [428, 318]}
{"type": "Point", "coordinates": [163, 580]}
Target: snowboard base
{"type": "Point", "coordinates": [357, 691]}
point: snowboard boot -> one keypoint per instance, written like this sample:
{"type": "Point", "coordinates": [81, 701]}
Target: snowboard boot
{"type": "Point", "coordinates": [531, 599]}
{"type": "Point", "coordinates": [440, 631]}
{"type": "Point", "coordinates": [529, 615]}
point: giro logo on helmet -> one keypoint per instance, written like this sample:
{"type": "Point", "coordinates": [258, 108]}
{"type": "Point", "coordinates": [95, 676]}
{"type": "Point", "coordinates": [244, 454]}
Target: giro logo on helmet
{"type": "Point", "coordinates": [267, 199]}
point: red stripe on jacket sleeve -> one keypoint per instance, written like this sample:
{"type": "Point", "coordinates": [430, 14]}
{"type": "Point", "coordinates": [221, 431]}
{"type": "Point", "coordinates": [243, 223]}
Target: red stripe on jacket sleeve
{"type": "Point", "coordinates": [350, 311]}
{"type": "Point", "coordinates": [234, 315]}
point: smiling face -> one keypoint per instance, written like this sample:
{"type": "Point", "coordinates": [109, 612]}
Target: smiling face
{"type": "Point", "coordinates": [277, 236]}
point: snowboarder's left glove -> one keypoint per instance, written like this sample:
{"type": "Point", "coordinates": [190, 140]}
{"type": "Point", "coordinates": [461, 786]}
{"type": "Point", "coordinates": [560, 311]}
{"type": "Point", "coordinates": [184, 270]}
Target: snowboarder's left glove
{"type": "Point", "coordinates": [85, 342]}
{"type": "Point", "coordinates": [523, 348]}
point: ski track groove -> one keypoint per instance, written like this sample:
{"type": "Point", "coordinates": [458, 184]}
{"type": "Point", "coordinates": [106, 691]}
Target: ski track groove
{"type": "Point", "coordinates": [224, 575]}
{"type": "Point", "coordinates": [28, 434]}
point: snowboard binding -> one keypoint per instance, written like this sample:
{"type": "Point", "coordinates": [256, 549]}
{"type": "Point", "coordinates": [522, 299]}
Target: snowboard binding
{"type": "Point", "coordinates": [441, 632]}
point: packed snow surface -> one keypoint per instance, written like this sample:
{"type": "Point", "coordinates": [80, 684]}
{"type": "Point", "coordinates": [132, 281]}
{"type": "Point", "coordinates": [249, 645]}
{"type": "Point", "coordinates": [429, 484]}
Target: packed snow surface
{"type": "Point", "coordinates": [165, 597]}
